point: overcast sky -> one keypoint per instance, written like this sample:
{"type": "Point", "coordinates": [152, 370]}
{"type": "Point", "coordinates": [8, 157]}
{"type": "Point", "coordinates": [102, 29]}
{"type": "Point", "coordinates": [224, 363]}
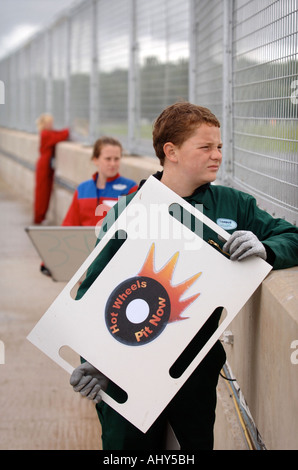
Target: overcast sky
{"type": "Point", "coordinates": [19, 19]}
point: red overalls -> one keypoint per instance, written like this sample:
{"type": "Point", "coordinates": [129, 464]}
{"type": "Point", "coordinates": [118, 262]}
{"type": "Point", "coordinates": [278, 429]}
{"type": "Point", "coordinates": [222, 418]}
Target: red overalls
{"type": "Point", "coordinates": [44, 175]}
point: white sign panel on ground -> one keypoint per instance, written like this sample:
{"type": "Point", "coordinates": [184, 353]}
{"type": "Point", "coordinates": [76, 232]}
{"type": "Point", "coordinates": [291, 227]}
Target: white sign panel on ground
{"type": "Point", "coordinates": [62, 249]}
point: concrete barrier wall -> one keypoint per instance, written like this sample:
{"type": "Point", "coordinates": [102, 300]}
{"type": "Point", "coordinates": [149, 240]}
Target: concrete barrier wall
{"type": "Point", "coordinates": [263, 355]}
{"type": "Point", "coordinates": [73, 165]}
{"type": "Point", "coordinates": [264, 361]}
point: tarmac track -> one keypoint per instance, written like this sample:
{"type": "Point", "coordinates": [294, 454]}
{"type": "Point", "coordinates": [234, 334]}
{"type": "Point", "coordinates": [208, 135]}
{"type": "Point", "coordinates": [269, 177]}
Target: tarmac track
{"type": "Point", "coordinates": [38, 408]}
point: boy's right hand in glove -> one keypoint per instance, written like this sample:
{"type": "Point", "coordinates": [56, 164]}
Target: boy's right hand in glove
{"type": "Point", "coordinates": [87, 380]}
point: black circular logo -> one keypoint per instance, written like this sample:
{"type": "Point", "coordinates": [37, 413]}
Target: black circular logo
{"type": "Point", "coordinates": [137, 311]}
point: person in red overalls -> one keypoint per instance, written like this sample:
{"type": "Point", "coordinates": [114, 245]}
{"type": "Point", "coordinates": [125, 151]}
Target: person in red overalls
{"type": "Point", "coordinates": [44, 175]}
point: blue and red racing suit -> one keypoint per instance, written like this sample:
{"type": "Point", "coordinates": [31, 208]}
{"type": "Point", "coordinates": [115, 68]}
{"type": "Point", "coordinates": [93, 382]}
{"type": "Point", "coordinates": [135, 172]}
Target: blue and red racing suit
{"type": "Point", "coordinates": [87, 198]}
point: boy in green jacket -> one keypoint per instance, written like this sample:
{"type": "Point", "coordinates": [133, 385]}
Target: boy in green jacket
{"type": "Point", "coordinates": [187, 141]}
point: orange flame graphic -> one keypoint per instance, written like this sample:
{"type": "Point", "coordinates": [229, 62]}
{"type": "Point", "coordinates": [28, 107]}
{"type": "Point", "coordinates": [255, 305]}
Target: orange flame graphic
{"type": "Point", "coordinates": [164, 277]}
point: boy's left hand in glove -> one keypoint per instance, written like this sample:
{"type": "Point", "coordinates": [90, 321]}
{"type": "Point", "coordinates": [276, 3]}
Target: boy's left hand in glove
{"type": "Point", "coordinates": [242, 244]}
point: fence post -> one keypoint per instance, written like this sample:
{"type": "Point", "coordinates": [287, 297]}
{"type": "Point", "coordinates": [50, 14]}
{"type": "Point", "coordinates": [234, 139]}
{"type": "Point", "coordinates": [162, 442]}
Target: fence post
{"type": "Point", "coordinates": [49, 68]}
{"type": "Point", "coordinates": [227, 86]}
{"type": "Point", "coordinates": [67, 78]}
{"type": "Point", "coordinates": [132, 79]}
{"type": "Point", "coordinates": [2, 92]}
{"type": "Point", "coordinates": [192, 74]}
{"type": "Point", "coordinates": [2, 352]}
{"type": "Point", "coordinates": [32, 85]}
{"type": "Point", "coordinates": [93, 125]}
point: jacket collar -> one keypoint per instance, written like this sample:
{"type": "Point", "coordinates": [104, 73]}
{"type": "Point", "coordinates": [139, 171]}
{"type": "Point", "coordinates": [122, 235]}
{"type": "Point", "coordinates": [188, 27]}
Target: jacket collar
{"type": "Point", "coordinates": [200, 195]}
{"type": "Point", "coordinates": [109, 180]}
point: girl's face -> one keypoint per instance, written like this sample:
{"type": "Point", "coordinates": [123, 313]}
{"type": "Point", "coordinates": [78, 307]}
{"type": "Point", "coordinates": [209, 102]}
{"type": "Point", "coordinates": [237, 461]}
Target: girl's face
{"type": "Point", "coordinates": [108, 162]}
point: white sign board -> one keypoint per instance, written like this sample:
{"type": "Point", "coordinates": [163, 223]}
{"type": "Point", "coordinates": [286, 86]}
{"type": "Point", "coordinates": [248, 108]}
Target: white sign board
{"type": "Point", "coordinates": [62, 249]}
{"type": "Point", "coordinates": [148, 303]}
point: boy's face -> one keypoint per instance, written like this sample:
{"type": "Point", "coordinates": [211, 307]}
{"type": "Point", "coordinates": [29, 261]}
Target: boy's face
{"type": "Point", "coordinates": [199, 157]}
{"type": "Point", "coordinates": [108, 162]}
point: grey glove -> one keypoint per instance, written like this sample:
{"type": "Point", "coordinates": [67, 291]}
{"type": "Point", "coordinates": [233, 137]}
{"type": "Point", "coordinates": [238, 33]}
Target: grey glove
{"type": "Point", "coordinates": [87, 380]}
{"type": "Point", "coordinates": [242, 244]}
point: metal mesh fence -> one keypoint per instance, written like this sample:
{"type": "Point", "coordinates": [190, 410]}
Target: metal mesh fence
{"type": "Point", "coordinates": [265, 116]}
{"type": "Point", "coordinates": [38, 78]}
{"type": "Point", "coordinates": [111, 66]}
{"type": "Point", "coordinates": [208, 43]}
{"type": "Point", "coordinates": [80, 51]}
{"type": "Point", "coordinates": [59, 70]}
{"type": "Point", "coordinates": [163, 52]}
{"type": "Point", "coordinates": [207, 58]}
